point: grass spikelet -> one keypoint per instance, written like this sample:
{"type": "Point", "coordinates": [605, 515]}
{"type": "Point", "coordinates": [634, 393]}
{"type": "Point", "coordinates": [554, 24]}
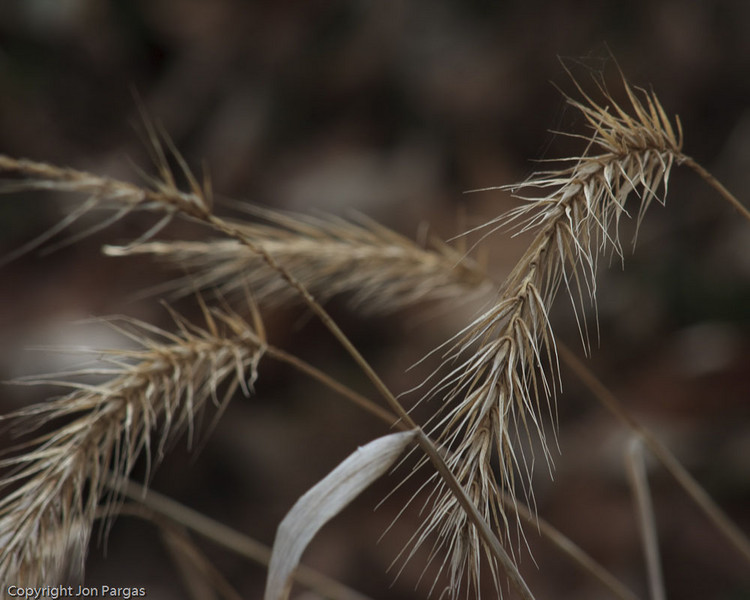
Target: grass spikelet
{"type": "Point", "coordinates": [121, 198]}
{"type": "Point", "coordinates": [376, 267]}
{"type": "Point", "coordinates": [55, 484]}
{"type": "Point", "coordinates": [502, 367]}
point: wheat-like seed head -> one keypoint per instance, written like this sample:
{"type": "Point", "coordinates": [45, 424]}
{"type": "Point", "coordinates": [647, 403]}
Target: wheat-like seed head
{"type": "Point", "coordinates": [502, 367]}
{"type": "Point", "coordinates": [56, 483]}
{"type": "Point", "coordinates": [121, 198]}
{"type": "Point", "coordinates": [378, 269]}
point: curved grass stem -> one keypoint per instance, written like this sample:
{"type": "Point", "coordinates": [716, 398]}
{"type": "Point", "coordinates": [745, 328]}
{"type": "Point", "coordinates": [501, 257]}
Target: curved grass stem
{"type": "Point", "coordinates": [691, 487]}
{"type": "Point", "coordinates": [636, 468]}
{"type": "Point", "coordinates": [716, 185]}
{"type": "Point", "coordinates": [574, 552]}
{"type": "Point", "coordinates": [231, 539]}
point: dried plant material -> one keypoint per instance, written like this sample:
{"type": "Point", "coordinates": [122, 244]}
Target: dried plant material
{"type": "Point", "coordinates": [323, 502]}
{"type": "Point", "coordinates": [56, 483]}
{"type": "Point", "coordinates": [153, 505]}
{"type": "Point", "coordinates": [635, 464]}
{"type": "Point", "coordinates": [119, 197]}
{"type": "Point", "coordinates": [724, 525]}
{"type": "Point", "coordinates": [497, 387]}
{"type": "Point", "coordinates": [378, 269]}
{"type": "Point", "coordinates": [502, 368]}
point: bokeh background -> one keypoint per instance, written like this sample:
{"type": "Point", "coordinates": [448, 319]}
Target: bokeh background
{"type": "Point", "coordinates": [396, 109]}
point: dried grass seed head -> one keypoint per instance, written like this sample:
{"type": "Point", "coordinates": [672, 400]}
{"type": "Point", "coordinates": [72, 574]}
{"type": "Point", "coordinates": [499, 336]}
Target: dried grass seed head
{"type": "Point", "coordinates": [378, 269]}
{"type": "Point", "coordinates": [58, 481]}
{"type": "Point", "coordinates": [502, 369]}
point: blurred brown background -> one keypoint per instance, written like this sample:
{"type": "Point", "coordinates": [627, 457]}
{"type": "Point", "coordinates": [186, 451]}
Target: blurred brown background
{"type": "Point", "coordinates": [395, 109]}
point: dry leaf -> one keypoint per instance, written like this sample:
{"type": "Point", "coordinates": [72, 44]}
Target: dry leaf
{"type": "Point", "coordinates": [324, 501]}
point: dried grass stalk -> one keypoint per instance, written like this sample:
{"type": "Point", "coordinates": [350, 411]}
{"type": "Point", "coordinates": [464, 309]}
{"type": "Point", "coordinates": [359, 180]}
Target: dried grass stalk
{"type": "Point", "coordinates": [55, 483]}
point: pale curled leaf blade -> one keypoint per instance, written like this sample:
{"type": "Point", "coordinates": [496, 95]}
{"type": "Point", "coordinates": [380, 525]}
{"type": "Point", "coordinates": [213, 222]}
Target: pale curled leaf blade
{"type": "Point", "coordinates": [324, 501]}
